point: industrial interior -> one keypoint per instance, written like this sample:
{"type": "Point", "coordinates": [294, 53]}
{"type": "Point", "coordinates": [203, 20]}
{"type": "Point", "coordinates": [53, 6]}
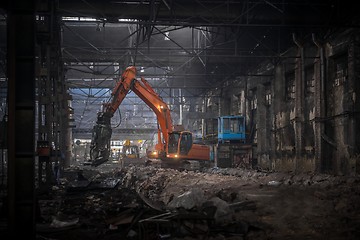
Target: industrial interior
{"type": "Point", "coordinates": [169, 119]}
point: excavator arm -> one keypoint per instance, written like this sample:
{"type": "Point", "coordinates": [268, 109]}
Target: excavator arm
{"type": "Point", "coordinates": [100, 143]}
{"type": "Point", "coordinates": [101, 133]}
{"type": "Point", "coordinates": [161, 110]}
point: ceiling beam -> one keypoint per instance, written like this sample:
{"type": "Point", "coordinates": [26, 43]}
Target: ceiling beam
{"type": "Point", "coordinates": [206, 13]}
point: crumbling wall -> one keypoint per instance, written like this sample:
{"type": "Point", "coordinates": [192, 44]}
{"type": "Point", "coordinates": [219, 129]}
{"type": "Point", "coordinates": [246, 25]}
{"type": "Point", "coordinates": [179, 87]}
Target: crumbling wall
{"type": "Point", "coordinates": [304, 107]}
{"type": "Point", "coordinates": [354, 92]}
{"type": "Point", "coordinates": [341, 139]}
{"type": "Point", "coordinates": [315, 119]}
{"type": "Point", "coordinates": [315, 109]}
{"type": "Point", "coordinates": [264, 123]}
{"type": "Point", "coordinates": [307, 115]}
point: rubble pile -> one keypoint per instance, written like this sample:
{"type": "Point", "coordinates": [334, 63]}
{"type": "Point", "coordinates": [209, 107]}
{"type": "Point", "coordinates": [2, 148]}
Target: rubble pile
{"type": "Point", "coordinates": [155, 203]}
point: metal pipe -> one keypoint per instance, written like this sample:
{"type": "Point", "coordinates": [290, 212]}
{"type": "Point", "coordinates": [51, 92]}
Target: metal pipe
{"type": "Point", "coordinates": [302, 56]}
{"type": "Point", "coordinates": [181, 107]}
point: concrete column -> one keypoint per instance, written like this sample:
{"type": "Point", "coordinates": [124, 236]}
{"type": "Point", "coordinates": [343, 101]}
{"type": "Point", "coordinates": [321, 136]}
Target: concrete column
{"type": "Point", "coordinates": [353, 131]}
{"type": "Point", "coordinates": [299, 102]}
{"type": "Point", "coordinates": [319, 85]}
{"type": "Point", "coordinates": [262, 130]}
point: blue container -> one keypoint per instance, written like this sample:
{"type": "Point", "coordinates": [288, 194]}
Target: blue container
{"type": "Point", "coordinates": [231, 129]}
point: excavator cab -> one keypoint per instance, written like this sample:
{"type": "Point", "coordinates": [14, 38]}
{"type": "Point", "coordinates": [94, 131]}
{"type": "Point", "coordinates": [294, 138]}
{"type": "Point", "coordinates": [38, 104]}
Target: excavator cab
{"type": "Point", "coordinates": [181, 151]}
{"type": "Point", "coordinates": [181, 147]}
{"type": "Point", "coordinates": [179, 144]}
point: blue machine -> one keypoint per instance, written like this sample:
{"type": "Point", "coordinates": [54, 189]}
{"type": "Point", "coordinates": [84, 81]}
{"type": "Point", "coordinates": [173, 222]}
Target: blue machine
{"type": "Point", "coordinates": [231, 129]}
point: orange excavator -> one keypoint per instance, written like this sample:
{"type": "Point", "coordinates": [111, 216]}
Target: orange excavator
{"type": "Point", "coordinates": [173, 146]}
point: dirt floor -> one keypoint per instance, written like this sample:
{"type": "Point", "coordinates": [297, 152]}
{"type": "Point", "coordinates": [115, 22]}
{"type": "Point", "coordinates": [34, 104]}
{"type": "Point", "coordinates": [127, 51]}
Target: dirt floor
{"type": "Point", "coordinates": [147, 202]}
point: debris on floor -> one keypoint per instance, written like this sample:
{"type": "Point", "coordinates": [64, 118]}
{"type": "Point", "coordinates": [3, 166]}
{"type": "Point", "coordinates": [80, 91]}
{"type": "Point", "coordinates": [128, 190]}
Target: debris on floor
{"type": "Point", "coordinates": [147, 202]}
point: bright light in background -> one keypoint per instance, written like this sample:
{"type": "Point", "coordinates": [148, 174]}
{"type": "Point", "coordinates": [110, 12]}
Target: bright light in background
{"type": "Point", "coordinates": [70, 18]}
{"type": "Point", "coordinates": [81, 19]}
{"type": "Point", "coordinates": [127, 20]}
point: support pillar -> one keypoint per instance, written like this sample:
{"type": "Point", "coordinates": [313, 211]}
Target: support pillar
{"type": "Point", "coordinates": [21, 128]}
{"type": "Point", "coordinates": [262, 129]}
{"type": "Point", "coordinates": [299, 104]}
{"type": "Point", "coordinates": [319, 84]}
{"type": "Point", "coordinates": [53, 120]}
